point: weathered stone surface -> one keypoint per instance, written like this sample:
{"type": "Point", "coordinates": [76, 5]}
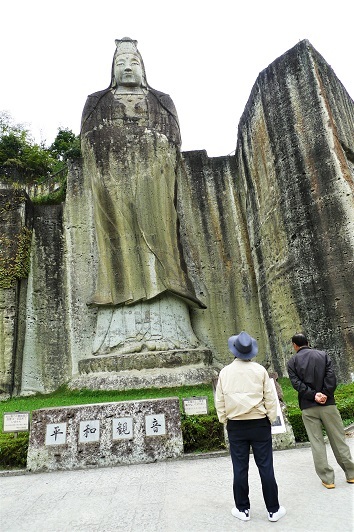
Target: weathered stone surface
{"type": "Point", "coordinates": [8, 308]}
{"type": "Point", "coordinates": [15, 239]}
{"type": "Point", "coordinates": [295, 178]}
{"type": "Point", "coordinates": [46, 361]}
{"type": "Point", "coordinates": [267, 237]}
{"type": "Point", "coordinates": [80, 260]}
{"type": "Point", "coordinates": [214, 232]}
{"type": "Point", "coordinates": [134, 379]}
{"type": "Point", "coordinates": [146, 360]}
{"type": "Point", "coordinates": [105, 451]}
{"type": "Point", "coordinates": [284, 440]}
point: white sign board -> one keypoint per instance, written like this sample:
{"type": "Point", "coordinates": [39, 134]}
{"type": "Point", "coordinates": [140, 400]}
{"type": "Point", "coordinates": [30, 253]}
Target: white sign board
{"type": "Point", "coordinates": [155, 425]}
{"type": "Point", "coordinates": [16, 422]}
{"type": "Point", "coordinates": [89, 431]}
{"type": "Point", "coordinates": [122, 428]}
{"type": "Point", "coordinates": [278, 426]}
{"type": "Point", "coordinates": [195, 405]}
{"type": "Point", "coordinates": [55, 434]}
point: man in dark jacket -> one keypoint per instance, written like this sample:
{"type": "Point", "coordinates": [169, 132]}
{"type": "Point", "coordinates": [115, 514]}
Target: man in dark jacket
{"type": "Point", "coordinates": [311, 374]}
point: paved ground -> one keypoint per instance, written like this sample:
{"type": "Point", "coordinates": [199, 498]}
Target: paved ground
{"type": "Point", "coordinates": [188, 495]}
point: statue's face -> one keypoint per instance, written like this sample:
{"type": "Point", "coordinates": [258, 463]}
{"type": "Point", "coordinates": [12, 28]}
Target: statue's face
{"type": "Point", "coordinates": [128, 70]}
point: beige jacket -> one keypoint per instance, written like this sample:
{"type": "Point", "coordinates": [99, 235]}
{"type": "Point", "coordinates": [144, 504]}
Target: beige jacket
{"type": "Point", "coordinates": [244, 391]}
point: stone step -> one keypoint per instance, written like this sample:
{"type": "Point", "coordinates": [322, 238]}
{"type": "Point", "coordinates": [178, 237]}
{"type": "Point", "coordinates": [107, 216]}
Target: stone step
{"type": "Point", "coordinates": [145, 360]}
{"type": "Point", "coordinates": [187, 375]}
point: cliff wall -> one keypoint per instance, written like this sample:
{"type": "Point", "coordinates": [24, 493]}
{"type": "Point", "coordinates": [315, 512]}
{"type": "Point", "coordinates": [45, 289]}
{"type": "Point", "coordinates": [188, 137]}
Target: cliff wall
{"type": "Point", "coordinates": [268, 239]}
{"type": "Point", "coordinates": [295, 179]}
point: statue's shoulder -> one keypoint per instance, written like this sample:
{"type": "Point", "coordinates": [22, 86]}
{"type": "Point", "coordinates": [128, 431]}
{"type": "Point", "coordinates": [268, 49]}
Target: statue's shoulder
{"type": "Point", "coordinates": [162, 97]}
{"type": "Point", "coordinates": [98, 95]}
{"type": "Point", "coordinates": [165, 100]}
{"type": "Point", "coordinates": [94, 98]}
{"type": "Point", "coordinates": [92, 102]}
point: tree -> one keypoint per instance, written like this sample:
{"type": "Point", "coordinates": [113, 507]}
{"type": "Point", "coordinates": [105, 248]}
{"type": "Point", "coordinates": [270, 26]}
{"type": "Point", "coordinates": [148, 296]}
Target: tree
{"type": "Point", "coordinates": [66, 145]}
{"type": "Point", "coordinates": [21, 159]}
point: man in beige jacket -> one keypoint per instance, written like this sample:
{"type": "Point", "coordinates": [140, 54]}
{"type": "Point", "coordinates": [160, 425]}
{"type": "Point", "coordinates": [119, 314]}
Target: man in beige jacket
{"type": "Point", "coordinates": [245, 401]}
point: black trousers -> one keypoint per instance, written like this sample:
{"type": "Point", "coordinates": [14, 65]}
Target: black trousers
{"type": "Point", "coordinates": [255, 434]}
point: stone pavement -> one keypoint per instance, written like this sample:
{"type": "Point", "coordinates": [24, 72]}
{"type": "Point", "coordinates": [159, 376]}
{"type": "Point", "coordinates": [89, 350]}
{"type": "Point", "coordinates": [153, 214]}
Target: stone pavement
{"type": "Point", "coordinates": [187, 495]}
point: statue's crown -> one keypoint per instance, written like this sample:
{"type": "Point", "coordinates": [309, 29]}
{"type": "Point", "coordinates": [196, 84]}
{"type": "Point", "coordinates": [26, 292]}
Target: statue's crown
{"type": "Point", "coordinates": [126, 46]}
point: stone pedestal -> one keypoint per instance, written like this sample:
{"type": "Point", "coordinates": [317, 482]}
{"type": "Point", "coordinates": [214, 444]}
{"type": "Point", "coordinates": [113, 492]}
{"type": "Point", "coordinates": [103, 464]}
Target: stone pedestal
{"type": "Point", "coordinates": [150, 369]}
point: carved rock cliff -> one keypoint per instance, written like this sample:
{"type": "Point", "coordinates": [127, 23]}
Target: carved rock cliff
{"type": "Point", "coordinates": [295, 155]}
{"type": "Point", "coordinates": [268, 239]}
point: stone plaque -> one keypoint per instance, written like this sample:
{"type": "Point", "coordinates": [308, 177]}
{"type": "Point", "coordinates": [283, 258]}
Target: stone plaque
{"type": "Point", "coordinates": [122, 428]}
{"type": "Point", "coordinates": [195, 405]}
{"type": "Point", "coordinates": [105, 434]}
{"type": "Point", "coordinates": [155, 425]}
{"type": "Point", "coordinates": [55, 434]}
{"type": "Point", "coordinates": [89, 431]}
{"type": "Point", "coordinates": [16, 421]}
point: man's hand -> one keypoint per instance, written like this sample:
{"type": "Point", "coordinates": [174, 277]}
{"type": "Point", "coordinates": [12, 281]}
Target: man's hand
{"type": "Point", "coordinates": [320, 398]}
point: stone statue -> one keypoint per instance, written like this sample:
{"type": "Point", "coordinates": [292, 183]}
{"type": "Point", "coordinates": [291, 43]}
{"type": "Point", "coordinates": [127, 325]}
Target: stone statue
{"type": "Point", "coordinates": [131, 150]}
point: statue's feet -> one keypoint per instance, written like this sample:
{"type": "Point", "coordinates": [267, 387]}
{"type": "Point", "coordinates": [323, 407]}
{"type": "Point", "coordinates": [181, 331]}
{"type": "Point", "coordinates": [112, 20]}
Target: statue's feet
{"type": "Point", "coordinates": [159, 345]}
{"type": "Point", "coordinates": [133, 347]}
{"type": "Point", "coordinates": [144, 345]}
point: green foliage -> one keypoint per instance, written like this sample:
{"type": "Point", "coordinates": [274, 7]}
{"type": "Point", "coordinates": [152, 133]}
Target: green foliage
{"type": "Point", "coordinates": [13, 451]}
{"type": "Point", "coordinates": [201, 433]}
{"type": "Point", "coordinates": [23, 160]}
{"type": "Point", "coordinates": [65, 397]}
{"type": "Point", "coordinates": [295, 420]}
{"type": "Point", "coordinates": [66, 145]}
{"type": "Point", "coordinates": [344, 397]}
{"type": "Point", "coordinates": [14, 251]}
{"type": "Point", "coordinates": [56, 197]}
{"type": "Point", "coordinates": [11, 147]}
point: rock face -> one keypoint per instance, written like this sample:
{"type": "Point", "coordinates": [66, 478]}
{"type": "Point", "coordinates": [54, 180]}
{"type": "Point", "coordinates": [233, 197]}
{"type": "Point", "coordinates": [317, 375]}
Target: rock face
{"type": "Point", "coordinates": [15, 242]}
{"type": "Point", "coordinates": [295, 155]}
{"type": "Point", "coordinates": [267, 237]}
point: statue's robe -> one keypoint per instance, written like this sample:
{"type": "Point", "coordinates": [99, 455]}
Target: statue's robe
{"type": "Point", "coordinates": [131, 153]}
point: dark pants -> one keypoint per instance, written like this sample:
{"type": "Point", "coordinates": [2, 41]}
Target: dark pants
{"type": "Point", "coordinates": [255, 434]}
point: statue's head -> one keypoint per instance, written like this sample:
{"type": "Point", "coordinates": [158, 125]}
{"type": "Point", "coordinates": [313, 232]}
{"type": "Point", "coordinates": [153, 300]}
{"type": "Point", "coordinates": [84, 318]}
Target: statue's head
{"type": "Point", "coordinates": [128, 68]}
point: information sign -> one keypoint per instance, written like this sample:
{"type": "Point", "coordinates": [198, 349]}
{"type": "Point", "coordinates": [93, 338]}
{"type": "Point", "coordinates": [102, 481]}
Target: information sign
{"type": "Point", "coordinates": [195, 405]}
{"type": "Point", "coordinates": [278, 426]}
{"type": "Point", "coordinates": [16, 422]}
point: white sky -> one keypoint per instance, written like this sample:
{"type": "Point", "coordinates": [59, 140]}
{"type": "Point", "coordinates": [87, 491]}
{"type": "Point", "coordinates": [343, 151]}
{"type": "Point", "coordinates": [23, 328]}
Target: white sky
{"type": "Point", "coordinates": [206, 54]}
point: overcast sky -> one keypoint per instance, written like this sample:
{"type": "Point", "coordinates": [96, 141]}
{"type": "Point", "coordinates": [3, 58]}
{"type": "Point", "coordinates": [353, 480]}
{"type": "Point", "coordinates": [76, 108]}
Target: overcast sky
{"type": "Point", "coordinates": [205, 54]}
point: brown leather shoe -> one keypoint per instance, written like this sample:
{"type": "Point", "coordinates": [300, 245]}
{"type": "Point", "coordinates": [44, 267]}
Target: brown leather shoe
{"type": "Point", "coordinates": [350, 480]}
{"type": "Point", "coordinates": [328, 486]}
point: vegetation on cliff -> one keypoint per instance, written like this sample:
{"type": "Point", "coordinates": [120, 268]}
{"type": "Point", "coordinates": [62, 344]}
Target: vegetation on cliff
{"type": "Point", "coordinates": [24, 161]}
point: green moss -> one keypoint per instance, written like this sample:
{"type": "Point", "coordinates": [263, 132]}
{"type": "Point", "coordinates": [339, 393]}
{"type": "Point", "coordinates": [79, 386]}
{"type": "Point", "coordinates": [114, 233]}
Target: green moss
{"type": "Point", "coordinates": [16, 266]}
{"type": "Point", "coordinates": [54, 198]}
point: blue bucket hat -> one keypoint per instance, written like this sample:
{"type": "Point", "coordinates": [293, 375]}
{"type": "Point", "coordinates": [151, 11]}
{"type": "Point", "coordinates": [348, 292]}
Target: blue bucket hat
{"type": "Point", "coordinates": [243, 346]}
